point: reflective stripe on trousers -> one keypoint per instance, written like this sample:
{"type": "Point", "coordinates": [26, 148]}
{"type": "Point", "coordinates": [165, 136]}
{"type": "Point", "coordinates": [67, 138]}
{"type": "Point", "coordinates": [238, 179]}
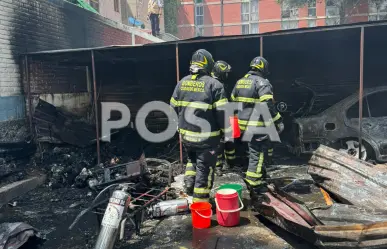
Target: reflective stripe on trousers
{"type": "Point", "coordinates": [190, 169]}
{"type": "Point", "coordinates": [226, 150]}
{"type": "Point", "coordinates": [270, 152]}
{"type": "Point", "coordinates": [256, 172]}
{"type": "Point", "coordinates": [204, 179]}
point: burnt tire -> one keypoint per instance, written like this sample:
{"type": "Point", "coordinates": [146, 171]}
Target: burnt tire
{"type": "Point", "coordinates": [351, 147]}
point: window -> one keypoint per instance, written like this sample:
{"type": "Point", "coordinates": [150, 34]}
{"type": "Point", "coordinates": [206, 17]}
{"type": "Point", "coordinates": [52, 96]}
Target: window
{"type": "Point", "coordinates": [199, 31]}
{"type": "Point", "coordinates": [332, 13]}
{"type": "Point", "coordinates": [249, 16]}
{"type": "Point", "coordinates": [377, 10]}
{"type": "Point", "coordinates": [289, 17]}
{"type": "Point", "coordinates": [289, 24]}
{"type": "Point", "coordinates": [312, 23]}
{"type": "Point", "coordinates": [249, 11]}
{"type": "Point", "coordinates": [287, 12]}
{"type": "Point", "coordinates": [95, 4]}
{"type": "Point", "coordinates": [117, 5]}
{"type": "Point", "coordinates": [254, 10]}
{"type": "Point", "coordinates": [371, 106]}
{"type": "Point", "coordinates": [245, 12]}
{"type": "Point", "coordinates": [245, 29]}
{"type": "Point", "coordinates": [254, 28]}
{"type": "Point", "coordinates": [312, 8]}
{"type": "Point", "coordinates": [199, 15]}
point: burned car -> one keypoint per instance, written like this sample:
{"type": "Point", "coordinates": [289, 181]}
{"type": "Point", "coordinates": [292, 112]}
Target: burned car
{"type": "Point", "coordinates": [338, 127]}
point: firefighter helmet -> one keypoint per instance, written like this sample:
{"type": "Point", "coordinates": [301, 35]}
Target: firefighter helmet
{"type": "Point", "coordinates": [221, 70]}
{"type": "Point", "coordinates": [260, 64]}
{"type": "Point", "coordinates": [202, 60]}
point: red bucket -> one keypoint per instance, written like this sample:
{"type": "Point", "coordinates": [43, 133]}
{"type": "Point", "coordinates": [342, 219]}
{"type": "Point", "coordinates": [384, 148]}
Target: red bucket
{"type": "Point", "coordinates": [236, 132]}
{"type": "Point", "coordinates": [227, 207]}
{"type": "Point", "coordinates": [201, 214]}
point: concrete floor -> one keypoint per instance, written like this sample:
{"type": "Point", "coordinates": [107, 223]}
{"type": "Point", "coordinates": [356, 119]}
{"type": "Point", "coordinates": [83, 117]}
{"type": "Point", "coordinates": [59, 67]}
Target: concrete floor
{"type": "Point", "coordinates": [177, 232]}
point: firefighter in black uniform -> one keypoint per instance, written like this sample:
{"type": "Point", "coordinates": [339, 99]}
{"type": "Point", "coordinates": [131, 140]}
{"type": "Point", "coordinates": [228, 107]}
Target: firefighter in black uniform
{"type": "Point", "coordinates": [225, 149]}
{"type": "Point", "coordinates": [254, 88]}
{"type": "Point", "coordinates": [198, 96]}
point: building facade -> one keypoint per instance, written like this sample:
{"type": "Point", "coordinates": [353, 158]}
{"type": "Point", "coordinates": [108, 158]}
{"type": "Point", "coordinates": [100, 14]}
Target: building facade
{"type": "Point", "coordinates": [203, 17]}
{"type": "Point", "coordinates": [121, 10]}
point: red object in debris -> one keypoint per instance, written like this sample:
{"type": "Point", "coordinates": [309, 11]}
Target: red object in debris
{"type": "Point", "coordinates": [227, 207]}
{"type": "Point", "coordinates": [236, 132]}
{"type": "Point", "coordinates": [201, 214]}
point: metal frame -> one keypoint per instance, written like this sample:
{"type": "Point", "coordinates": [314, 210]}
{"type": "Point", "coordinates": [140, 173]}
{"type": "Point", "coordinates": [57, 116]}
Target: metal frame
{"type": "Point", "coordinates": [27, 73]}
{"type": "Point", "coordinates": [361, 88]}
{"type": "Point", "coordinates": [177, 80]}
{"type": "Point", "coordinates": [362, 26]}
{"type": "Point", "coordinates": [96, 107]}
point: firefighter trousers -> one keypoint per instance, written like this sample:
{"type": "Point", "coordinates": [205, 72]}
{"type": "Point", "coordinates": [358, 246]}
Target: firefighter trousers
{"type": "Point", "coordinates": [225, 153]}
{"type": "Point", "coordinates": [269, 154]}
{"type": "Point", "coordinates": [199, 173]}
{"type": "Point", "coordinates": [256, 172]}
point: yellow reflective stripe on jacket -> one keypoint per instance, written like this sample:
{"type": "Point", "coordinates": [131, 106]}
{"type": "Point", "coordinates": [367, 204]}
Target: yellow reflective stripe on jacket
{"type": "Point", "coordinates": [250, 123]}
{"type": "Point", "coordinates": [278, 116]}
{"type": "Point", "coordinates": [190, 104]}
{"type": "Point", "coordinates": [220, 102]}
{"type": "Point", "coordinates": [258, 123]}
{"type": "Point", "coordinates": [232, 97]}
{"type": "Point", "coordinates": [199, 134]}
{"type": "Point", "coordinates": [229, 129]}
{"type": "Point", "coordinates": [174, 102]}
{"type": "Point", "coordinates": [266, 97]}
{"type": "Point", "coordinates": [246, 100]}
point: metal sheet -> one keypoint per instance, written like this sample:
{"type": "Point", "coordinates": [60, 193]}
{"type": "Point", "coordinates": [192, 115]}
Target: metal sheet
{"type": "Point", "coordinates": [349, 232]}
{"type": "Point", "coordinates": [350, 179]}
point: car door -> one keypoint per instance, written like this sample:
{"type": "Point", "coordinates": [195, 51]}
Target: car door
{"type": "Point", "coordinates": [374, 122]}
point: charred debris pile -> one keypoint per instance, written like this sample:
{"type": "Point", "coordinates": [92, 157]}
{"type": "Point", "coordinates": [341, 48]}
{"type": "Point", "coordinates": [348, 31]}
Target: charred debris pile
{"type": "Point", "coordinates": [340, 202]}
{"type": "Point", "coordinates": [64, 147]}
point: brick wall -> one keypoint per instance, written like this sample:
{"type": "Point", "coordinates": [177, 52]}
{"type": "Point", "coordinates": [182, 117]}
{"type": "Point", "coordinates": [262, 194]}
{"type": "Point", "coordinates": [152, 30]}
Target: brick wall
{"type": "Point", "coordinates": [28, 26]}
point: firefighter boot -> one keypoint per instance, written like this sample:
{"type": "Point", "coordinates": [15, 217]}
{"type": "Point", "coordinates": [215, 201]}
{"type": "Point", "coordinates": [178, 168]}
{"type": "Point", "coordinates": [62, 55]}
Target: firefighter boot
{"type": "Point", "coordinates": [188, 188]}
{"type": "Point", "coordinates": [218, 171]}
{"type": "Point", "coordinates": [258, 196]}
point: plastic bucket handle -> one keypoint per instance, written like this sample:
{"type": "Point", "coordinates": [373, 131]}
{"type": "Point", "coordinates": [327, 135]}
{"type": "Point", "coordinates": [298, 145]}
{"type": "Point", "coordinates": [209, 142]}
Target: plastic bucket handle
{"type": "Point", "coordinates": [230, 211]}
{"type": "Point", "coordinates": [205, 217]}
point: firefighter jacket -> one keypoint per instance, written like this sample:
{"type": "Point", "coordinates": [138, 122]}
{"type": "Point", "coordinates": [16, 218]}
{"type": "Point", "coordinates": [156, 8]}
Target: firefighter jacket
{"type": "Point", "coordinates": [250, 90]}
{"type": "Point", "coordinates": [204, 96]}
{"type": "Point", "coordinates": [154, 7]}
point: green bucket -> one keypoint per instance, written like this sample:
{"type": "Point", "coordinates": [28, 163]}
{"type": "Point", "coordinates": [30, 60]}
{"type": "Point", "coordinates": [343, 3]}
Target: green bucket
{"type": "Point", "coordinates": [237, 187]}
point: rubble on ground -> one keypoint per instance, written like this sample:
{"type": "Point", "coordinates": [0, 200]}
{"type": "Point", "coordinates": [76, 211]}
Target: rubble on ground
{"type": "Point", "coordinates": [317, 211]}
{"type": "Point", "coordinates": [57, 126]}
{"type": "Point", "coordinates": [14, 131]}
{"type": "Point", "coordinates": [18, 234]}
